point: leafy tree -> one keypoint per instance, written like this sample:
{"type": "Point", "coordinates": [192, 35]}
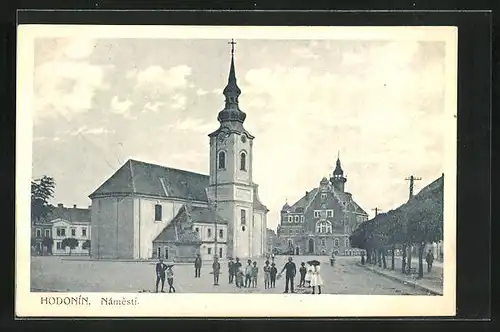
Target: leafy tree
{"type": "Point", "coordinates": [48, 242]}
{"type": "Point", "coordinates": [70, 242]}
{"type": "Point", "coordinates": [42, 190]}
{"type": "Point", "coordinates": [86, 245]}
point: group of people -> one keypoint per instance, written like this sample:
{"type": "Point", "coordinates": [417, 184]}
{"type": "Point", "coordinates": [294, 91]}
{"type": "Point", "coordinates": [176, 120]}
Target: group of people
{"type": "Point", "coordinates": [248, 276]}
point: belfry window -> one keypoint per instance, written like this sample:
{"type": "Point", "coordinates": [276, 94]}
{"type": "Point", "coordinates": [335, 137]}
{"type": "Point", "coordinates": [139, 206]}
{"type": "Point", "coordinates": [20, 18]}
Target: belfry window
{"type": "Point", "coordinates": [243, 161]}
{"type": "Point", "coordinates": [323, 227]}
{"type": "Point", "coordinates": [222, 160]}
{"type": "Point", "coordinates": [158, 212]}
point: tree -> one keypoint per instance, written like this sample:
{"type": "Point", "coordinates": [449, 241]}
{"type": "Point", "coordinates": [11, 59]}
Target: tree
{"type": "Point", "coordinates": [42, 190]}
{"type": "Point", "coordinates": [48, 242]}
{"type": "Point", "coordinates": [70, 242]}
{"type": "Point", "coordinates": [86, 245]}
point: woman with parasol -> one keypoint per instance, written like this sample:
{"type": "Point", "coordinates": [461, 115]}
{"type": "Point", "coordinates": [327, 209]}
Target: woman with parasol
{"type": "Point", "coordinates": [316, 279]}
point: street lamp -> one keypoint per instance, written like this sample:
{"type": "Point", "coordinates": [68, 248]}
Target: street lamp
{"type": "Point", "coordinates": [221, 136]}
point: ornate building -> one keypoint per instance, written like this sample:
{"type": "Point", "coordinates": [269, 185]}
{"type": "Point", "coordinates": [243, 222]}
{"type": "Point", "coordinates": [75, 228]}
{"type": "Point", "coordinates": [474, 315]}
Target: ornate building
{"type": "Point", "coordinates": [322, 220]}
{"type": "Point", "coordinates": [145, 210]}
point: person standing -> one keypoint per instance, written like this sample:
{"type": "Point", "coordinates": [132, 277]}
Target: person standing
{"type": "Point", "coordinates": [308, 276]}
{"type": "Point", "coordinates": [302, 271]}
{"type": "Point", "coordinates": [255, 273]}
{"type": "Point", "coordinates": [170, 279]}
{"type": "Point", "coordinates": [160, 275]}
{"type": "Point", "coordinates": [237, 270]}
{"type": "Point", "coordinates": [429, 259]}
{"type": "Point", "coordinates": [230, 268]}
{"type": "Point", "coordinates": [248, 273]}
{"type": "Point", "coordinates": [272, 275]}
{"type": "Point", "coordinates": [316, 280]}
{"type": "Point", "coordinates": [332, 259]}
{"type": "Point", "coordinates": [216, 271]}
{"type": "Point", "coordinates": [267, 275]}
{"type": "Point", "coordinates": [197, 266]}
{"type": "Point", "coordinates": [291, 270]}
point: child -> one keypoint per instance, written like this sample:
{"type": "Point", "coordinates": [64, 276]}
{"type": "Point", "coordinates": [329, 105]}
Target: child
{"type": "Point", "coordinates": [302, 271]}
{"type": "Point", "coordinates": [239, 277]}
{"type": "Point", "coordinates": [267, 275]}
{"type": "Point", "coordinates": [255, 272]}
{"type": "Point", "coordinates": [308, 276]}
{"type": "Point", "coordinates": [170, 279]}
{"type": "Point", "coordinates": [272, 274]}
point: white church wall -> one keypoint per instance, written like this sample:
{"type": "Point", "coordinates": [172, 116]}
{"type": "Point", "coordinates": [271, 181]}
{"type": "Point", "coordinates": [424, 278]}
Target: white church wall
{"type": "Point", "coordinates": [257, 234]}
{"type": "Point", "coordinates": [148, 229]}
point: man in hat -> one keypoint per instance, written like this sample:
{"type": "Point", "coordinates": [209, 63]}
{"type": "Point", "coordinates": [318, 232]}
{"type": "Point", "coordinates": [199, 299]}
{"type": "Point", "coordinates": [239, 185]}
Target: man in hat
{"type": "Point", "coordinates": [291, 270]}
{"type": "Point", "coordinates": [236, 269]}
{"type": "Point", "coordinates": [429, 259]}
{"type": "Point", "coordinates": [216, 270]}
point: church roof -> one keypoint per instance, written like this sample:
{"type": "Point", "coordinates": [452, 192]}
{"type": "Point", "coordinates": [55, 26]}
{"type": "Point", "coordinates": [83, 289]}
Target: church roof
{"type": "Point", "coordinates": [137, 177]}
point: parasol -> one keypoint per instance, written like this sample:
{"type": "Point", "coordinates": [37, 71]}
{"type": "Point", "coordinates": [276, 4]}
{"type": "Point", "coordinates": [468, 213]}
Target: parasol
{"type": "Point", "coordinates": [314, 262]}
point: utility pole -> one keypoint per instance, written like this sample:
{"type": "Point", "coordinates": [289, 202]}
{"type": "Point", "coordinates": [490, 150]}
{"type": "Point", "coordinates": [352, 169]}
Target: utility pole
{"type": "Point", "coordinates": [377, 210]}
{"type": "Point", "coordinates": [412, 180]}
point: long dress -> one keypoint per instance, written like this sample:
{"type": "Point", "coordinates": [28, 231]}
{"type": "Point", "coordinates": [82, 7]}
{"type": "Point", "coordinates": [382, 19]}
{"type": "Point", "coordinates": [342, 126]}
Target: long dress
{"type": "Point", "coordinates": [308, 274]}
{"type": "Point", "coordinates": [316, 279]}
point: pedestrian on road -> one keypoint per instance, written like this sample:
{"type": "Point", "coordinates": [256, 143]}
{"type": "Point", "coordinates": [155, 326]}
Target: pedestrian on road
{"type": "Point", "coordinates": [197, 266]}
{"type": "Point", "coordinates": [429, 259]}
{"type": "Point", "coordinates": [308, 276]}
{"type": "Point", "coordinates": [216, 271]}
{"type": "Point", "coordinates": [302, 271]}
{"type": "Point", "coordinates": [170, 279]}
{"type": "Point", "coordinates": [267, 275]}
{"type": "Point", "coordinates": [230, 268]}
{"type": "Point", "coordinates": [291, 270]}
{"type": "Point", "coordinates": [316, 279]}
{"type": "Point", "coordinates": [160, 274]}
{"type": "Point", "coordinates": [255, 273]}
{"type": "Point", "coordinates": [248, 273]}
{"type": "Point", "coordinates": [362, 258]}
{"type": "Point", "coordinates": [272, 275]}
{"type": "Point", "coordinates": [237, 270]}
{"type": "Point", "coordinates": [332, 259]}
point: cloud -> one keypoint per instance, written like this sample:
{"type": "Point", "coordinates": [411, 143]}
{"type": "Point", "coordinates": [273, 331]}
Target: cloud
{"type": "Point", "coordinates": [152, 107]}
{"type": "Point", "coordinates": [120, 107]}
{"type": "Point", "coordinates": [201, 92]}
{"type": "Point", "coordinates": [192, 124]}
{"type": "Point", "coordinates": [79, 48]}
{"type": "Point", "coordinates": [66, 87]}
{"type": "Point", "coordinates": [84, 130]}
{"type": "Point", "coordinates": [217, 91]}
{"type": "Point", "coordinates": [156, 77]}
{"type": "Point", "coordinates": [179, 101]}
{"type": "Point", "coordinates": [304, 52]}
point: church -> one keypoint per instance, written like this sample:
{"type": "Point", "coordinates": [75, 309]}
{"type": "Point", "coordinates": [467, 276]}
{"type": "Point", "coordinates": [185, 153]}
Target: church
{"type": "Point", "coordinates": [146, 211]}
{"type": "Point", "coordinates": [322, 220]}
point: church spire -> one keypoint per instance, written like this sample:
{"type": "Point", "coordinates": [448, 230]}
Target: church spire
{"type": "Point", "coordinates": [231, 111]}
{"type": "Point", "coordinates": [338, 167]}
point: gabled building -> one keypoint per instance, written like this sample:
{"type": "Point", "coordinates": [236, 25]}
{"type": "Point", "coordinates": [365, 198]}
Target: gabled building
{"type": "Point", "coordinates": [322, 220]}
{"type": "Point", "coordinates": [133, 210]}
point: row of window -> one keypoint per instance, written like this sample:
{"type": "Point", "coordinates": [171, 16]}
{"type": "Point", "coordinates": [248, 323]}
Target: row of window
{"type": "Point", "coordinates": [209, 232]}
{"type": "Point", "coordinates": [296, 218]}
{"type": "Point", "coordinates": [329, 213]}
{"type": "Point", "coordinates": [61, 231]}
{"type": "Point", "coordinates": [336, 242]}
{"type": "Point", "coordinates": [60, 247]}
{"type": "Point", "coordinates": [221, 164]}
{"type": "Point", "coordinates": [209, 251]}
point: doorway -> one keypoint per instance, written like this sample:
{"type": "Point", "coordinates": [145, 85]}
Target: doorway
{"type": "Point", "coordinates": [311, 246]}
{"type": "Point", "coordinates": [297, 250]}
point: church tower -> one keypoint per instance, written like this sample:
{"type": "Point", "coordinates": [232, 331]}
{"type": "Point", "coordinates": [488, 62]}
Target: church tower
{"type": "Point", "coordinates": [338, 180]}
{"type": "Point", "coordinates": [231, 188]}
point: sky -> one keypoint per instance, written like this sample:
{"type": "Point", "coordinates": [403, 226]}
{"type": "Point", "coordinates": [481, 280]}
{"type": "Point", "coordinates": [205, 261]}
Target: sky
{"type": "Point", "coordinates": [377, 104]}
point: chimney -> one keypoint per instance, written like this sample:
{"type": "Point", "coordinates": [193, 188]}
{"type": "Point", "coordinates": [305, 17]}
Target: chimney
{"type": "Point", "coordinates": [74, 206]}
{"type": "Point", "coordinates": [60, 205]}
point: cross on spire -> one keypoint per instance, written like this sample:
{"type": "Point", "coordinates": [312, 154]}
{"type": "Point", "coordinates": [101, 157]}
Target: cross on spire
{"type": "Point", "coordinates": [232, 43]}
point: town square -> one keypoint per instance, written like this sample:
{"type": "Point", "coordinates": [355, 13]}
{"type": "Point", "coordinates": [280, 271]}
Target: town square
{"type": "Point", "coordinates": [224, 172]}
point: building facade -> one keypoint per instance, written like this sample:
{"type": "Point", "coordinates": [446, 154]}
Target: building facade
{"type": "Point", "coordinates": [63, 223]}
{"type": "Point", "coordinates": [137, 204]}
{"type": "Point", "coordinates": [322, 220]}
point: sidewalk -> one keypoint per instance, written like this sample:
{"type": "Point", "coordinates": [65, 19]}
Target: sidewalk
{"type": "Point", "coordinates": [431, 282]}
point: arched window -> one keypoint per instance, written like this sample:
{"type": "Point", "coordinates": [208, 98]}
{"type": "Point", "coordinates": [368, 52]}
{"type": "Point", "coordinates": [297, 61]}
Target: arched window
{"type": "Point", "coordinates": [323, 227]}
{"type": "Point", "coordinates": [243, 161]}
{"type": "Point", "coordinates": [336, 242]}
{"type": "Point", "coordinates": [222, 160]}
{"type": "Point", "coordinates": [347, 242]}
